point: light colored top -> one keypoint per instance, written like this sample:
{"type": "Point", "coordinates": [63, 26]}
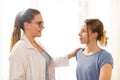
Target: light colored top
{"type": "Point", "coordinates": [26, 63]}
{"type": "Point", "coordinates": [48, 59]}
{"type": "Point", "coordinates": [88, 66]}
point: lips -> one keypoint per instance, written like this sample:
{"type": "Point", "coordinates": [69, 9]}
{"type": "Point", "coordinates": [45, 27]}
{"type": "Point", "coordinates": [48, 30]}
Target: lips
{"type": "Point", "coordinates": [39, 31]}
{"type": "Point", "coordinates": [80, 39]}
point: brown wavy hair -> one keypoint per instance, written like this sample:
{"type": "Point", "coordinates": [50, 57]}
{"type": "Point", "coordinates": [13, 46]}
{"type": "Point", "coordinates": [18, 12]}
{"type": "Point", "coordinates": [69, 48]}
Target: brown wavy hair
{"type": "Point", "coordinates": [95, 25]}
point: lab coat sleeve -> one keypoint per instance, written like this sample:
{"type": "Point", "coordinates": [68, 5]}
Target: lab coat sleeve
{"type": "Point", "coordinates": [61, 61]}
{"type": "Point", "coordinates": [18, 66]}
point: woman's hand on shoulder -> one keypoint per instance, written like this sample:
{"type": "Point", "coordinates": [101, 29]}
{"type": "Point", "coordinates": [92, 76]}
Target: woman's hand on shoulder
{"type": "Point", "coordinates": [72, 54]}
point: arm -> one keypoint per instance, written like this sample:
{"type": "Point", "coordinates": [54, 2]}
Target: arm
{"type": "Point", "coordinates": [64, 60]}
{"type": "Point", "coordinates": [61, 61]}
{"type": "Point", "coordinates": [17, 66]}
{"type": "Point", "coordinates": [72, 54]}
{"type": "Point", "coordinates": [105, 72]}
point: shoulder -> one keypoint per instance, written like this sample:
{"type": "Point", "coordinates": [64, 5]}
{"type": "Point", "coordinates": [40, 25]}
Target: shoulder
{"type": "Point", "coordinates": [18, 49]}
{"type": "Point", "coordinates": [19, 45]}
{"type": "Point", "coordinates": [79, 53]}
{"type": "Point", "coordinates": [104, 53]}
{"type": "Point", "coordinates": [105, 57]}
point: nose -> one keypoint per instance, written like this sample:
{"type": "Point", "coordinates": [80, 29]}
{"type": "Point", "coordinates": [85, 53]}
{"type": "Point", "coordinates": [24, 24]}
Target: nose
{"type": "Point", "coordinates": [79, 34]}
{"type": "Point", "coordinates": [42, 27]}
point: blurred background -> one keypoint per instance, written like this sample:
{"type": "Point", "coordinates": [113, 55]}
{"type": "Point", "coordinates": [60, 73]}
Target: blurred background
{"type": "Point", "coordinates": [62, 19]}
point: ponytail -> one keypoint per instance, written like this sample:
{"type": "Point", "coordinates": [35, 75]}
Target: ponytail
{"type": "Point", "coordinates": [16, 34]}
{"type": "Point", "coordinates": [23, 16]}
{"type": "Point", "coordinates": [95, 25]}
{"type": "Point", "coordinates": [104, 38]}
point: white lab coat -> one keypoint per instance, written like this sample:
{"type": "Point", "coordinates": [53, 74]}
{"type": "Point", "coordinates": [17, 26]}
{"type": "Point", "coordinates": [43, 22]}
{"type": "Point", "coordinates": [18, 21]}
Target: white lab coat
{"type": "Point", "coordinates": [26, 63]}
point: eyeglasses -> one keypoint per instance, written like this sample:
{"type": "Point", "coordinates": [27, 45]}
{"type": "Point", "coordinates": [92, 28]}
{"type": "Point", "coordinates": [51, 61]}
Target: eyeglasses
{"type": "Point", "coordinates": [39, 23]}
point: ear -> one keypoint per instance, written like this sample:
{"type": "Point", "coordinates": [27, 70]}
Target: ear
{"type": "Point", "coordinates": [96, 35]}
{"type": "Point", "coordinates": [26, 25]}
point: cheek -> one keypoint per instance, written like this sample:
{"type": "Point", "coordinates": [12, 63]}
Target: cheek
{"type": "Point", "coordinates": [85, 35]}
{"type": "Point", "coordinates": [34, 31]}
{"type": "Point", "coordinates": [85, 38]}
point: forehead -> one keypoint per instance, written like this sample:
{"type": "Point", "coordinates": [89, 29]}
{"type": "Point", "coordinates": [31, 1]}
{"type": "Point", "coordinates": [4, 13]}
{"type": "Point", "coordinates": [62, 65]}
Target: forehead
{"type": "Point", "coordinates": [83, 26]}
{"type": "Point", "coordinates": [38, 17]}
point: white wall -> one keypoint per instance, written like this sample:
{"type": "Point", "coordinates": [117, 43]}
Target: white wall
{"type": "Point", "coordinates": [108, 11]}
{"type": "Point", "coordinates": [62, 21]}
{"type": "Point", "coordinates": [115, 39]}
{"type": "Point", "coordinates": [60, 35]}
{"type": "Point", "coordinates": [8, 11]}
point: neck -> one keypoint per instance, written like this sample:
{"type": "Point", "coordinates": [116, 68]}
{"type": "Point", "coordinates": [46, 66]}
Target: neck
{"type": "Point", "coordinates": [91, 49]}
{"type": "Point", "coordinates": [30, 38]}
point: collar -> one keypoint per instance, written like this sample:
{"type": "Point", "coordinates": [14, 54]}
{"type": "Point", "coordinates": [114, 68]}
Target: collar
{"type": "Point", "coordinates": [27, 42]}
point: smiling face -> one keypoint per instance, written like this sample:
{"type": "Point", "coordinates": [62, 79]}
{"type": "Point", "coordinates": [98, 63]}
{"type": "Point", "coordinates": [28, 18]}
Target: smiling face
{"type": "Point", "coordinates": [35, 27]}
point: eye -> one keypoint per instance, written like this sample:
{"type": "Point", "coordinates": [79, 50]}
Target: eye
{"type": "Point", "coordinates": [41, 23]}
{"type": "Point", "coordinates": [83, 30]}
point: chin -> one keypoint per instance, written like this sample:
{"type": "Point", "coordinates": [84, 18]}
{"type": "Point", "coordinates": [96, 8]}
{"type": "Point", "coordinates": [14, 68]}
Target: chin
{"type": "Point", "coordinates": [38, 35]}
{"type": "Point", "coordinates": [81, 42]}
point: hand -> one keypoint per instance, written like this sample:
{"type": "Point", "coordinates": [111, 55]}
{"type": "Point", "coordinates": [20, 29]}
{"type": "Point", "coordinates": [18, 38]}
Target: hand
{"type": "Point", "coordinates": [70, 55]}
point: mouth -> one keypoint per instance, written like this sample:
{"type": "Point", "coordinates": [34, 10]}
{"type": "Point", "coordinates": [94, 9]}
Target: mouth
{"type": "Point", "coordinates": [80, 38]}
{"type": "Point", "coordinates": [39, 31]}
